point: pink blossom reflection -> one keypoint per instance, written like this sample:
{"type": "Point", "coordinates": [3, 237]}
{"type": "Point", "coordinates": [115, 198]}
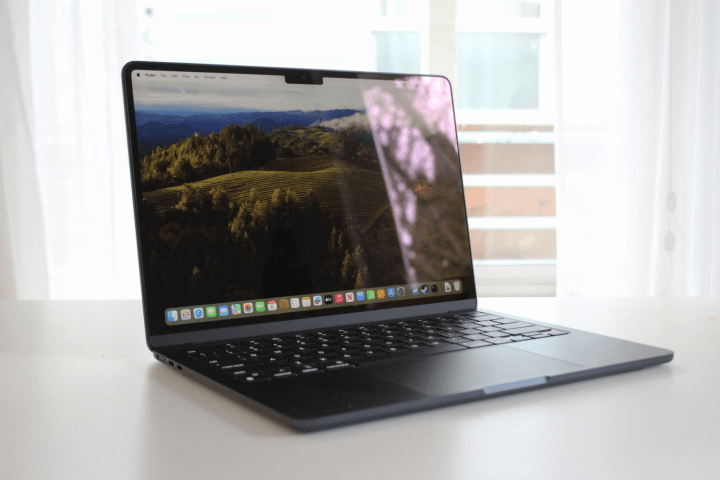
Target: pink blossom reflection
{"type": "Point", "coordinates": [414, 130]}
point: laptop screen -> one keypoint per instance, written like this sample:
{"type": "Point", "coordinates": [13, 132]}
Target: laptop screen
{"type": "Point", "coordinates": [266, 195]}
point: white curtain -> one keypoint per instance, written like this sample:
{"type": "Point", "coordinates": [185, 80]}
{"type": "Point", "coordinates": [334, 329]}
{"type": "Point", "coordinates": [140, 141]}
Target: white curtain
{"type": "Point", "coordinates": [66, 226]}
{"type": "Point", "coordinates": [638, 147]}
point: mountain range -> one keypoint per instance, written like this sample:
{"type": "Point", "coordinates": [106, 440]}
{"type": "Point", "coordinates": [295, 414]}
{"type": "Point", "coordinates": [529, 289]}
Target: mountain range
{"type": "Point", "coordinates": [155, 129]}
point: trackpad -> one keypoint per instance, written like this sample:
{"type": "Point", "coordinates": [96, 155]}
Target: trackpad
{"type": "Point", "coordinates": [472, 370]}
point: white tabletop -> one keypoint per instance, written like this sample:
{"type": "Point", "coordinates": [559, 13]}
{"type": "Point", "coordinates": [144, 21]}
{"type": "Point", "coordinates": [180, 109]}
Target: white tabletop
{"type": "Point", "coordinates": [83, 398]}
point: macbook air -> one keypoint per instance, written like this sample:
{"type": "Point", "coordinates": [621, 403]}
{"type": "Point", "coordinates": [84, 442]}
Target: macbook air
{"type": "Point", "coordinates": [304, 247]}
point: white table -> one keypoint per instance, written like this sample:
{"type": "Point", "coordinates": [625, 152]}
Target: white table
{"type": "Point", "coordinates": [83, 398]}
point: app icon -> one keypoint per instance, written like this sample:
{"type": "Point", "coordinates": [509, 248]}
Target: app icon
{"type": "Point", "coordinates": [338, 298]}
{"type": "Point", "coordinates": [236, 309]}
{"type": "Point", "coordinates": [199, 313]}
{"type": "Point", "coordinates": [272, 305]}
{"type": "Point", "coordinates": [425, 289]}
{"type": "Point", "coordinates": [350, 297]}
{"type": "Point", "coordinates": [172, 315]}
{"type": "Point", "coordinates": [211, 311]}
{"type": "Point", "coordinates": [295, 302]}
{"type": "Point", "coordinates": [259, 306]}
{"type": "Point", "coordinates": [284, 304]}
{"type": "Point", "coordinates": [223, 310]}
{"type": "Point", "coordinates": [371, 294]}
{"type": "Point", "coordinates": [306, 301]}
{"type": "Point", "coordinates": [447, 287]}
{"type": "Point", "coordinates": [328, 299]}
{"type": "Point", "coordinates": [457, 285]}
{"type": "Point", "coordinates": [415, 290]}
{"type": "Point", "coordinates": [317, 300]}
{"type": "Point", "coordinates": [247, 307]}
{"type": "Point", "coordinates": [391, 293]}
{"type": "Point", "coordinates": [360, 296]}
{"type": "Point", "coordinates": [401, 291]}
{"type": "Point", "coordinates": [185, 314]}
{"type": "Point", "coordinates": [434, 288]}
{"type": "Point", "coordinates": [381, 293]}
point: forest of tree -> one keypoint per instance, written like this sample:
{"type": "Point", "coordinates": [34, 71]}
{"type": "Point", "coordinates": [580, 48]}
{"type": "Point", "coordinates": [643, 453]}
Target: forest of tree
{"type": "Point", "coordinates": [353, 144]}
{"type": "Point", "coordinates": [245, 147]}
{"type": "Point", "coordinates": [207, 250]}
{"type": "Point", "coordinates": [235, 147]}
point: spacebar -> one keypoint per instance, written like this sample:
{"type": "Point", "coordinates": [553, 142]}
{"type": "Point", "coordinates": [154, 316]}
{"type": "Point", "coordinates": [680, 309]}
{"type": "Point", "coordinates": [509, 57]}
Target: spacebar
{"type": "Point", "coordinates": [410, 353]}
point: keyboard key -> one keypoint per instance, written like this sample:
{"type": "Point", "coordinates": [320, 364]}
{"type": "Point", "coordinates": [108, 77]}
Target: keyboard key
{"type": "Point", "coordinates": [280, 372]}
{"type": "Point", "coordinates": [476, 343]}
{"type": "Point", "coordinates": [505, 321]}
{"type": "Point", "coordinates": [254, 377]}
{"type": "Point", "coordinates": [456, 340]}
{"type": "Point", "coordinates": [489, 329]}
{"type": "Point", "coordinates": [477, 336]}
{"type": "Point", "coordinates": [469, 325]}
{"type": "Point", "coordinates": [373, 353]}
{"type": "Point", "coordinates": [534, 328]}
{"type": "Point", "coordinates": [325, 353]}
{"type": "Point", "coordinates": [446, 329]}
{"type": "Point", "coordinates": [395, 349]}
{"type": "Point", "coordinates": [488, 323]}
{"type": "Point", "coordinates": [450, 334]}
{"type": "Point", "coordinates": [469, 331]}
{"type": "Point", "coordinates": [518, 325]}
{"type": "Point", "coordinates": [539, 335]}
{"type": "Point", "coordinates": [498, 341]}
{"type": "Point", "coordinates": [231, 365]}
{"type": "Point", "coordinates": [429, 337]}
{"type": "Point", "coordinates": [409, 341]}
{"type": "Point", "coordinates": [337, 366]}
{"type": "Point", "coordinates": [496, 334]}
{"type": "Point", "coordinates": [350, 356]}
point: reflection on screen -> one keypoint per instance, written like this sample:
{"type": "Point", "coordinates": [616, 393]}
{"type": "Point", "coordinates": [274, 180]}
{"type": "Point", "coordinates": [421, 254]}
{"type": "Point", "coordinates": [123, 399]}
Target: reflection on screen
{"type": "Point", "coordinates": [254, 189]}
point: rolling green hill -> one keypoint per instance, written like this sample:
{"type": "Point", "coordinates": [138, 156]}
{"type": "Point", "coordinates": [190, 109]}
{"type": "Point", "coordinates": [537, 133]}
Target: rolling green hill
{"type": "Point", "coordinates": [364, 196]}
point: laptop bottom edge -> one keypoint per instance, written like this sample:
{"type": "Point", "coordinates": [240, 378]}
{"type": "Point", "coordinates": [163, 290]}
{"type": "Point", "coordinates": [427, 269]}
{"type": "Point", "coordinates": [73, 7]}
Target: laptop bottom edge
{"type": "Point", "coordinates": [400, 401]}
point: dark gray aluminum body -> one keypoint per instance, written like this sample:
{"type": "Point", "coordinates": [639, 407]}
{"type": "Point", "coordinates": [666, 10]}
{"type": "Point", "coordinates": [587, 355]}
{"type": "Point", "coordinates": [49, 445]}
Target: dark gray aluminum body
{"type": "Point", "coordinates": [391, 387]}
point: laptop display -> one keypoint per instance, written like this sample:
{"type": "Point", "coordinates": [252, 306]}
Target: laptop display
{"type": "Point", "coordinates": [272, 197]}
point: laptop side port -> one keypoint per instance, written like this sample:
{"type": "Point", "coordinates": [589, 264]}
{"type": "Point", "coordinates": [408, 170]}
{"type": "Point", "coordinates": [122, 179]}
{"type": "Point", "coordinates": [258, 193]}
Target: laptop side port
{"type": "Point", "coordinates": [161, 358]}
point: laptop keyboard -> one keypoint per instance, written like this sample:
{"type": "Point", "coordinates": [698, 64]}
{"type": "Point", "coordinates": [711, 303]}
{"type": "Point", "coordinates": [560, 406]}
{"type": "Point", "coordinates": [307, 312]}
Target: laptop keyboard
{"type": "Point", "coordinates": [277, 357]}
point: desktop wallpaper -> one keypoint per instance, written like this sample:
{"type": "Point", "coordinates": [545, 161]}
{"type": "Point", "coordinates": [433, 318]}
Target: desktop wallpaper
{"type": "Point", "coordinates": [255, 189]}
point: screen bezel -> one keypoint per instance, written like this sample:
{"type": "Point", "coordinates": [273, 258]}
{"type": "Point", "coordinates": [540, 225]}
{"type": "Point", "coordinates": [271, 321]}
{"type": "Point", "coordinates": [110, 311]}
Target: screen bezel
{"type": "Point", "coordinates": [158, 332]}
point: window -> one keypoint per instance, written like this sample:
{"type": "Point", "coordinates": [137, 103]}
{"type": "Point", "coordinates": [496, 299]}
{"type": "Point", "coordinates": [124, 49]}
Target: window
{"type": "Point", "coordinates": [498, 56]}
{"type": "Point", "coordinates": [504, 104]}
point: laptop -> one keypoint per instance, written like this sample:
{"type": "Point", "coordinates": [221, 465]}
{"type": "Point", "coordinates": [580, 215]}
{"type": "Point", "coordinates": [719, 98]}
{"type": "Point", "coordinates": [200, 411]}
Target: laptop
{"type": "Point", "coordinates": [304, 247]}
